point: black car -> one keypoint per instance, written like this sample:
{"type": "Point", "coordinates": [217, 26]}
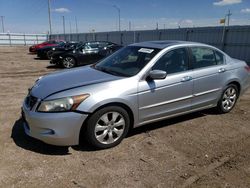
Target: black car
{"type": "Point", "coordinates": [45, 52]}
{"type": "Point", "coordinates": [87, 53]}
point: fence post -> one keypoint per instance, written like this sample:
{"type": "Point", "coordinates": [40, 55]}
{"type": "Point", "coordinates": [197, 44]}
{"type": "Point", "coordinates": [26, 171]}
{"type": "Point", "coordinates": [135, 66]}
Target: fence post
{"type": "Point", "coordinates": [138, 37]}
{"type": "Point", "coordinates": [107, 37]}
{"type": "Point", "coordinates": [134, 36]}
{"type": "Point", "coordinates": [160, 35]}
{"type": "Point", "coordinates": [121, 36]}
{"type": "Point", "coordinates": [24, 39]}
{"type": "Point", "coordinates": [187, 32]}
{"type": "Point", "coordinates": [9, 39]}
{"type": "Point", "coordinates": [224, 37]}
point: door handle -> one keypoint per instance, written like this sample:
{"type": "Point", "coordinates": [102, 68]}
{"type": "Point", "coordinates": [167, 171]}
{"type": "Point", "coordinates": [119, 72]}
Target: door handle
{"type": "Point", "coordinates": [221, 70]}
{"type": "Point", "coordinates": [186, 78]}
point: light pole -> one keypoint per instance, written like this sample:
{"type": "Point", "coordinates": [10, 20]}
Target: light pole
{"type": "Point", "coordinates": [63, 26]}
{"type": "Point", "coordinates": [228, 15]}
{"type": "Point", "coordinates": [2, 17]}
{"type": "Point", "coordinates": [50, 29]}
{"type": "Point", "coordinates": [76, 25]}
{"type": "Point", "coordinates": [119, 16]}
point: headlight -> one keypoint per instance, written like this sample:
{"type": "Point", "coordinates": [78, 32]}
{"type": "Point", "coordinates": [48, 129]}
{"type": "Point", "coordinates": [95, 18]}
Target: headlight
{"type": "Point", "coordinates": [62, 104]}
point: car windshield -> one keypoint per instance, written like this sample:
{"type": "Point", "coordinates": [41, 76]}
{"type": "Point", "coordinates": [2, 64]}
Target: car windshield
{"type": "Point", "coordinates": [61, 44]}
{"type": "Point", "coordinates": [127, 62]}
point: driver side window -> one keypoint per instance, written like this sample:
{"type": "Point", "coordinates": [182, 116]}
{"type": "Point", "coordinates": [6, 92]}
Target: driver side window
{"type": "Point", "coordinates": [173, 61]}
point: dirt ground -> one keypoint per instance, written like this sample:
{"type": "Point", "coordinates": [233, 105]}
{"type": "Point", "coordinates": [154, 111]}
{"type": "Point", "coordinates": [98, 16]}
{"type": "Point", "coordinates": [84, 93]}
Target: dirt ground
{"type": "Point", "coordinates": [198, 150]}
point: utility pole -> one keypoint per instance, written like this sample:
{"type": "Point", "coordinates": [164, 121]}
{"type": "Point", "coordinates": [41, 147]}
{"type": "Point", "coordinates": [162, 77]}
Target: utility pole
{"type": "Point", "coordinates": [119, 16]}
{"type": "Point", "coordinates": [76, 25]}
{"type": "Point", "coordinates": [49, 11]}
{"type": "Point", "coordinates": [157, 27]}
{"type": "Point", "coordinates": [63, 26]}
{"type": "Point", "coordinates": [2, 17]}
{"type": "Point", "coordinates": [129, 25]}
{"type": "Point", "coordinates": [228, 15]}
{"type": "Point", "coordinates": [70, 29]}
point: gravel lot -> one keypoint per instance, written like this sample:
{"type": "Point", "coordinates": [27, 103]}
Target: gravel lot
{"type": "Point", "coordinates": [197, 150]}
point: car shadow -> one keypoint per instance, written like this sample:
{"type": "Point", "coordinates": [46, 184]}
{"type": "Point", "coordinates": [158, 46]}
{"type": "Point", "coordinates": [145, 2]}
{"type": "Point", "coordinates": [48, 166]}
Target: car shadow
{"type": "Point", "coordinates": [42, 59]}
{"type": "Point", "coordinates": [26, 142]}
{"type": "Point", "coordinates": [22, 140]}
{"type": "Point", "coordinates": [164, 123]}
{"type": "Point", "coordinates": [54, 67]}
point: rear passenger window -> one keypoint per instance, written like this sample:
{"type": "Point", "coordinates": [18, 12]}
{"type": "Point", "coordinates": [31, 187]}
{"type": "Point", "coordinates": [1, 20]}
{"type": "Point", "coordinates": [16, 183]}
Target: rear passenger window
{"type": "Point", "coordinates": [203, 57]}
{"type": "Point", "coordinates": [219, 58]}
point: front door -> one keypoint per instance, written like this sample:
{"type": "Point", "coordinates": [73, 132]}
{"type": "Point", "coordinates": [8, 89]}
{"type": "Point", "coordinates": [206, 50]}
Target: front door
{"type": "Point", "coordinates": [169, 96]}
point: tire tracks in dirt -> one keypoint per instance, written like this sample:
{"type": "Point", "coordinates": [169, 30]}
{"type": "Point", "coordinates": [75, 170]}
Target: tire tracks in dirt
{"type": "Point", "coordinates": [221, 161]}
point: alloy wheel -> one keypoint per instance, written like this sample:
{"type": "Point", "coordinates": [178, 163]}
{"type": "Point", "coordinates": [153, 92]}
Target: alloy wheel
{"type": "Point", "coordinates": [109, 128]}
{"type": "Point", "coordinates": [68, 62]}
{"type": "Point", "coordinates": [229, 98]}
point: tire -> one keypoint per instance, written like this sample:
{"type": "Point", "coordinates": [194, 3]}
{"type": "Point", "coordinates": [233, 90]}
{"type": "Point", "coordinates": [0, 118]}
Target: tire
{"type": "Point", "coordinates": [49, 54]}
{"type": "Point", "coordinates": [68, 62]}
{"type": "Point", "coordinates": [107, 127]}
{"type": "Point", "coordinates": [228, 99]}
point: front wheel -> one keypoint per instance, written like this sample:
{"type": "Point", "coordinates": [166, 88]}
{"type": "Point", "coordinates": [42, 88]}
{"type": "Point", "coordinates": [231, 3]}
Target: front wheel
{"type": "Point", "coordinates": [68, 62]}
{"type": "Point", "coordinates": [228, 99]}
{"type": "Point", "coordinates": [107, 127]}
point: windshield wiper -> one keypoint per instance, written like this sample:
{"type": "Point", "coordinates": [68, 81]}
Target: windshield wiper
{"type": "Point", "coordinates": [106, 70]}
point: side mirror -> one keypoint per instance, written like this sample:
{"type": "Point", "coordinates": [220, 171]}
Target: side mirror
{"type": "Point", "coordinates": [157, 74]}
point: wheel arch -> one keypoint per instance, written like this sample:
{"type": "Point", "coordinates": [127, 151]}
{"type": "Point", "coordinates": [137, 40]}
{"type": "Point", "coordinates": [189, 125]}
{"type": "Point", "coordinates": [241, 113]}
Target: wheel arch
{"type": "Point", "coordinates": [237, 84]}
{"type": "Point", "coordinates": [120, 104]}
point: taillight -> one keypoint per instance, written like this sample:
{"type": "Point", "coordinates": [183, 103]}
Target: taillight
{"type": "Point", "coordinates": [247, 68]}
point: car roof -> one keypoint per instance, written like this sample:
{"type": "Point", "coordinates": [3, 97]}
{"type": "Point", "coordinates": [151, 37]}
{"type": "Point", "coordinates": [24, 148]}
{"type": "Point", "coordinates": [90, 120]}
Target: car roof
{"type": "Point", "coordinates": [163, 43]}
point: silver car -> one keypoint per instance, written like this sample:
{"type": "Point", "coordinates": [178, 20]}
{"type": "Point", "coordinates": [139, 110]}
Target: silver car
{"type": "Point", "coordinates": [139, 84]}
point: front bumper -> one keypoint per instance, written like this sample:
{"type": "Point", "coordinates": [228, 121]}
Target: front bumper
{"type": "Point", "coordinates": [61, 129]}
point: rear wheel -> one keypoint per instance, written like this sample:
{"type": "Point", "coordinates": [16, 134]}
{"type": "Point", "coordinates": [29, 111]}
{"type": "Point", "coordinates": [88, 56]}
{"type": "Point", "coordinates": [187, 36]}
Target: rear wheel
{"type": "Point", "coordinates": [228, 99]}
{"type": "Point", "coordinates": [107, 127]}
{"type": "Point", "coordinates": [68, 62]}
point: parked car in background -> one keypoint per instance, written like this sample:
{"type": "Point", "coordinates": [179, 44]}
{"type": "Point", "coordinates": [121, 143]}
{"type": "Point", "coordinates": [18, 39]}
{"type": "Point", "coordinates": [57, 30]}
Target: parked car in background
{"type": "Point", "coordinates": [84, 54]}
{"type": "Point", "coordinates": [45, 52]}
{"type": "Point", "coordinates": [34, 48]}
{"type": "Point", "coordinates": [139, 84]}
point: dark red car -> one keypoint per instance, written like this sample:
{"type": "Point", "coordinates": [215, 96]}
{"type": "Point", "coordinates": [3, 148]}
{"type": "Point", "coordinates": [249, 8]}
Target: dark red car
{"type": "Point", "coordinates": [34, 48]}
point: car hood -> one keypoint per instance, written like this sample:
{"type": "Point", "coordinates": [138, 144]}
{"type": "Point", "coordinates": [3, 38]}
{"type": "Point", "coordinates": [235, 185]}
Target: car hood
{"type": "Point", "coordinates": [69, 79]}
{"type": "Point", "coordinates": [49, 47]}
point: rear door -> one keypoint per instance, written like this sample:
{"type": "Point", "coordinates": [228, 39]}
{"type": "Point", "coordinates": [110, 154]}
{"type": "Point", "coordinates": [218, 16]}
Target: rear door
{"type": "Point", "coordinates": [208, 70]}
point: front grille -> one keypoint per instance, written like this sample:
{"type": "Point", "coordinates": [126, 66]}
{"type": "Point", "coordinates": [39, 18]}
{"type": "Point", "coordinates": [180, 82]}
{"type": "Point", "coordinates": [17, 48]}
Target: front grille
{"type": "Point", "coordinates": [30, 101]}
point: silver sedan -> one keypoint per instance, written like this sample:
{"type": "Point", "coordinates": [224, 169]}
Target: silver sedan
{"type": "Point", "coordinates": [139, 84]}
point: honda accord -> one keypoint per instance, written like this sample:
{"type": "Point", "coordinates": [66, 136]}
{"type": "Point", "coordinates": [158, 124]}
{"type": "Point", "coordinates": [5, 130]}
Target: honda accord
{"type": "Point", "coordinates": [139, 84]}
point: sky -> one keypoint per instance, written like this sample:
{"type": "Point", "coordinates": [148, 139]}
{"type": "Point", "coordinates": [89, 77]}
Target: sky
{"type": "Point", "coordinates": [31, 16]}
